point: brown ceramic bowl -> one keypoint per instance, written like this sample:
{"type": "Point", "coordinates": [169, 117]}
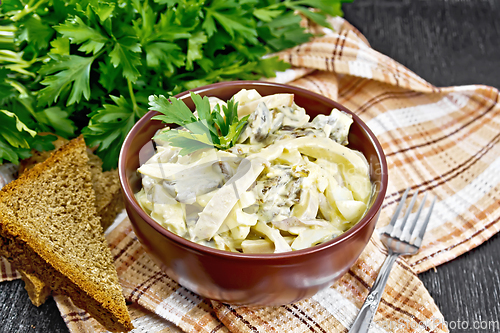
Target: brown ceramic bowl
{"type": "Point", "coordinates": [252, 279]}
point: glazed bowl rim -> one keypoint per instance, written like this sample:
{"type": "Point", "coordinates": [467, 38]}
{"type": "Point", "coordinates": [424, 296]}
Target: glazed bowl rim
{"type": "Point", "coordinates": [371, 214]}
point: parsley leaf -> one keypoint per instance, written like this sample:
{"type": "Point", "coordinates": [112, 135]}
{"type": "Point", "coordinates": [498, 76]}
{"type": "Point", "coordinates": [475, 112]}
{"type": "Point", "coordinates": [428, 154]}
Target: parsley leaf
{"type": "Point", "coordinates": [58, 120]}
{"type": "Point", "coordinates": [36, 32]}
{"type": "Point", "coordinates": [14, 137]}
{"type": "Point", "coordinates": [72, 71]}
{"type": "Point", "coordinates": [108, 127]}
{"type": "Point", "coordinates": [12, 154]}
{"type": "Point", "coordinates": [103, 9]}
{"type": "Point", "coordinates": [233, 23]}
{"type": "Point", "coordinates": [267, 14]}
{"type": "Point", "coordinates": [194, 51]}
{"type": "Point", "coordinates": [125, 54]}
{"type": "Point", "coordinates": [78, 32]}
{"type": "Point", "coordinates": [109, 77]}
{"type": "Point", "coordinates": [210, 129]}
{"type": "Point", "coordinates": [8, 121]}
{"type": "Point", "coordinates": [168, 54]}
{"type": "Point", "coordinates": [60, 46]}
{"type": "Point", "coordinates": [174, 111]}
{"type": "Point", "coordinates": [187, 141]}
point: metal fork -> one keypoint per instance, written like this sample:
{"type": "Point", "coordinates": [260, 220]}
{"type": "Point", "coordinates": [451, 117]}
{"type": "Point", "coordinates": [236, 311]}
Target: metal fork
{"type": "Point", "coordinates": [400, 239]}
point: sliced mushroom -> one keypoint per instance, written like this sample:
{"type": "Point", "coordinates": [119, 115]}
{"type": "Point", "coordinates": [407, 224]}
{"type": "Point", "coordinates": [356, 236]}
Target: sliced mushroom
{"type": "Point", "coordinates": [336, 125]}
{"type": "Point", "coordinates": [260, 123]}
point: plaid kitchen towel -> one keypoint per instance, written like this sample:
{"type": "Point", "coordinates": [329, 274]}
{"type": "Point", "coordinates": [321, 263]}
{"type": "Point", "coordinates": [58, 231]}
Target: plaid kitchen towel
{"type": "Point", "coordinates": [443, 141]}
{"type": "Point", "coordinates": [165, 306]}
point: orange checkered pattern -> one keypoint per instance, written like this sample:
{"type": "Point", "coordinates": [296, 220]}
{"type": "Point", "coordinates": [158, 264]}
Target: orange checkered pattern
{"type": "Point", "coordinates": [158, 304]}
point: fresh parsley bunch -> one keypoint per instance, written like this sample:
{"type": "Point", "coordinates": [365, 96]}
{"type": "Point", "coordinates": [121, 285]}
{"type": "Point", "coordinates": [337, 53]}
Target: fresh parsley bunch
{"type": "Point", "coordinates": [69, 66]}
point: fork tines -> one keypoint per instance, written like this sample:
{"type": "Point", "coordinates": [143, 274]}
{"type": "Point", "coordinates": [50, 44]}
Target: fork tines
{"type": "Point", "coordinates": [405, 231]}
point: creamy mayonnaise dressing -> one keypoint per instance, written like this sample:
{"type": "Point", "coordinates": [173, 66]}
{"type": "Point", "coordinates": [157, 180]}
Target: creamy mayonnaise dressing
{"type": "Point", "coordinates": [288, 183]}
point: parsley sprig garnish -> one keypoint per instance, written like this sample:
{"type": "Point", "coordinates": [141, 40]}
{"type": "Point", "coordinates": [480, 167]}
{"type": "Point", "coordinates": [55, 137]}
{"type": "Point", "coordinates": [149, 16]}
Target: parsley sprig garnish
{"type": "Point", "coordinates": [211, 128]}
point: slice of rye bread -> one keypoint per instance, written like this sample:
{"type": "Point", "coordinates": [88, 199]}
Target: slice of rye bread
{"type": "Point", "coordinates": [109, 203]}
{"type": "Point", "coordinates": [106, 184]}
{"type": "Point", "coordinates": [109, 200]}
{"type": "Point", "coordinates": [50, 228]}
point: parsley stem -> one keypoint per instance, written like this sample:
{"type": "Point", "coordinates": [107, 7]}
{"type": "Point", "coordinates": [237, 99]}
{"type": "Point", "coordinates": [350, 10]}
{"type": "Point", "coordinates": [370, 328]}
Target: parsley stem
{"type": "Point", "coordinates": [23, 96]}
{"type": "Point", "coordinates": [27, 10]}
{"type": "Point", "coordinates": [132, 97]}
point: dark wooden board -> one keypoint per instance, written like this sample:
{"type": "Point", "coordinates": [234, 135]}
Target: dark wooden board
{"type": "Point", "coordinates": [447, 42]}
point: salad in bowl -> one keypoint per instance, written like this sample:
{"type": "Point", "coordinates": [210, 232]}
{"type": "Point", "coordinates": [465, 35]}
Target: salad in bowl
{"type": "Point", "coordinates": [253, 174]}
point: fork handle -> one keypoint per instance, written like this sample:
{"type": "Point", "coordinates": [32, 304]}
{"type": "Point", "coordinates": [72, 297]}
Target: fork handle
{"type": "Point", "coordinates": [365, 316]}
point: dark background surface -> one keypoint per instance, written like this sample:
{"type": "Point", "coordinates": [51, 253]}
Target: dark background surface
{"type": "Point", "coordinates": [447, 42]}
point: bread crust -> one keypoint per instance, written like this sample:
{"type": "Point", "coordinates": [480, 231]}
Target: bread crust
{"type": "Point", "coordinates": [109, 202]}
{"type": "Point", "coordinates": [43, 254]}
